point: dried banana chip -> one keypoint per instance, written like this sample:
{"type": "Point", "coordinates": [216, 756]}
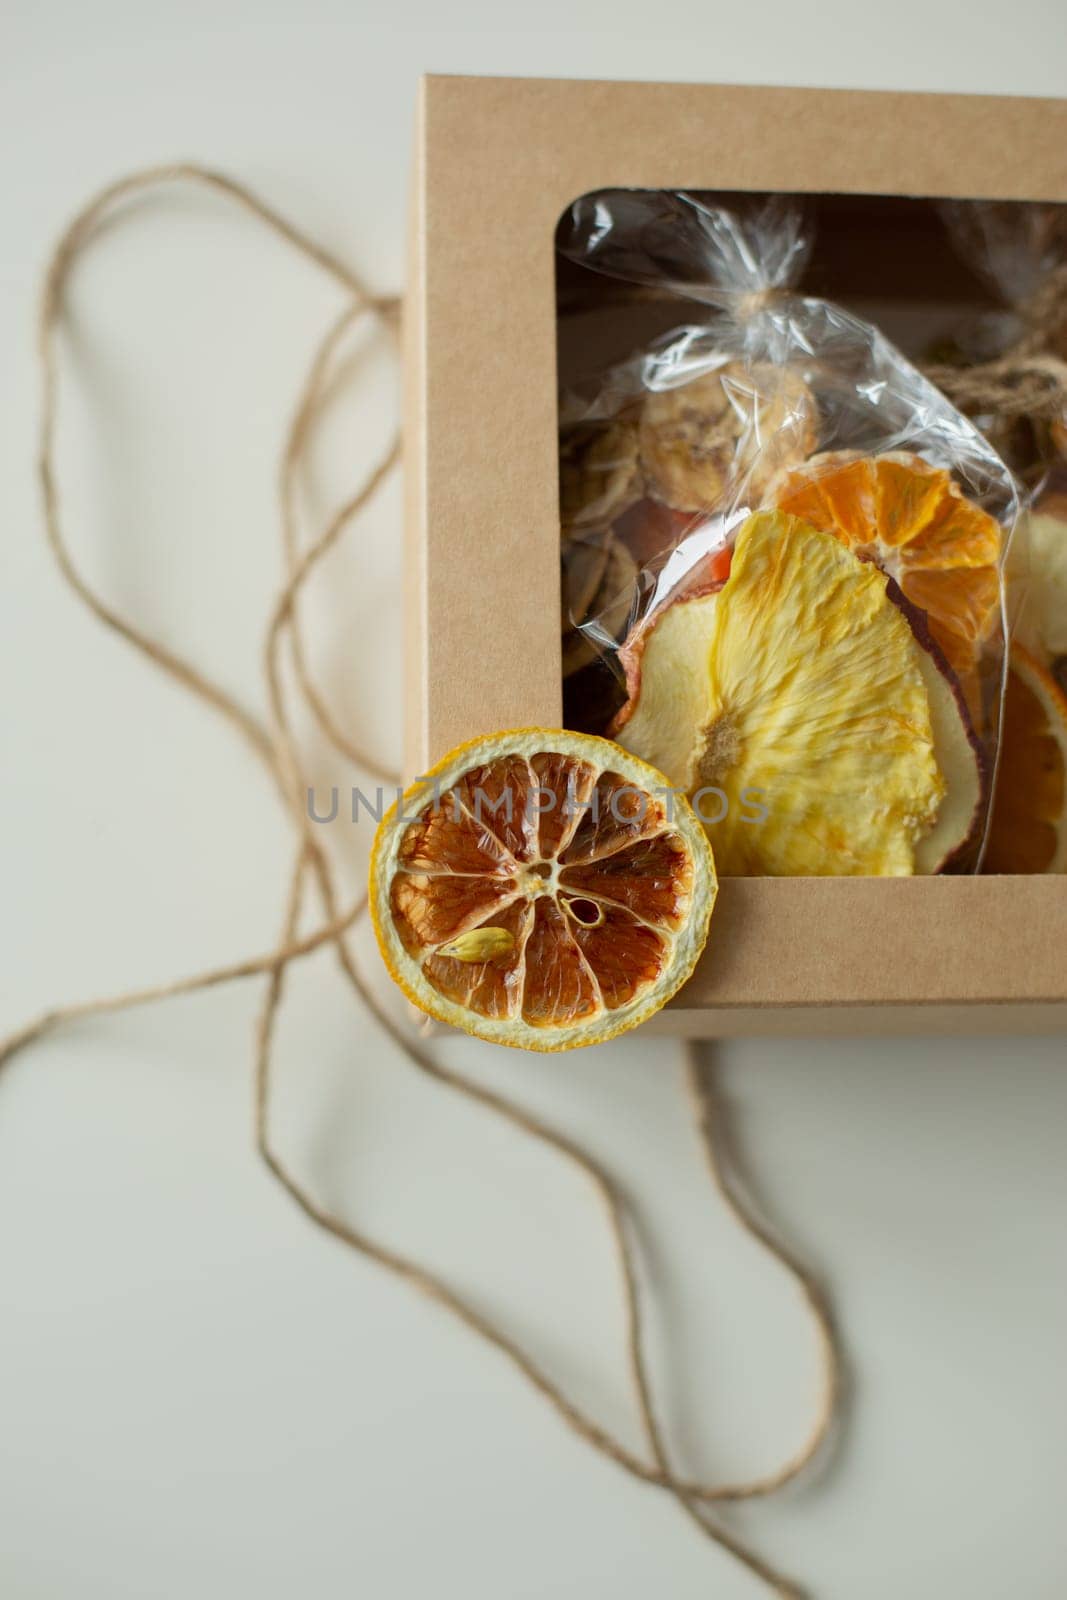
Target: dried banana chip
{"type": "Point", "coordinates": [585, 562]}
{"type": "Point", "coordinates": [609, 612]}
{"type": "Point", "coordinates": [698, 438]}
{"type": "Point", "coordinates": [599, 474]}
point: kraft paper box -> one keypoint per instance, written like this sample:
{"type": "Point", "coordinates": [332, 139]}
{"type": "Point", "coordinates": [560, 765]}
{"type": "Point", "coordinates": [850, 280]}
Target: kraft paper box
{"type": "Point", "coordinates": [497, 163]}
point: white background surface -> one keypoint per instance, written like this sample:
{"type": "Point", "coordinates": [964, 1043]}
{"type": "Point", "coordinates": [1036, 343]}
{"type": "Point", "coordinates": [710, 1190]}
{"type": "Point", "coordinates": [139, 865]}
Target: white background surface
{"type": "Point", "coordinates": [199, 1394]}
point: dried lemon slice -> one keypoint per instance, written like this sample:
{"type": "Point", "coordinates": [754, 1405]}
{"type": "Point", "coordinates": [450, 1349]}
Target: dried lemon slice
{"type": "Point", "coordinates": [791, 705]}
{"type": "Point", "coordinates": [542, 889]}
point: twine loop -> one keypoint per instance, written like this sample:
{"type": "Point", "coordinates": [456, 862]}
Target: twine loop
{"type": "Point", "coordinates": [1030, 379]}
{"type": "Point", "coordinates": [275, 746]}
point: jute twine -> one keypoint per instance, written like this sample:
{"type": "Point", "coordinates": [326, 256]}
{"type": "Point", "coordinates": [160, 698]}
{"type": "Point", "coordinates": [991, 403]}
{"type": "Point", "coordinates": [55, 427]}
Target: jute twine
{"type": "Point", "coordinates": [275, 746]}
{"type": "Point", "coordinates": [1029, 380]}
{"type": "Point", "coordinates": [1013, 386]}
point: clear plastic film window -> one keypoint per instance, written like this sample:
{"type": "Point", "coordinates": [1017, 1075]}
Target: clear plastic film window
{"type": "Point", "coordinates": [752, 411]}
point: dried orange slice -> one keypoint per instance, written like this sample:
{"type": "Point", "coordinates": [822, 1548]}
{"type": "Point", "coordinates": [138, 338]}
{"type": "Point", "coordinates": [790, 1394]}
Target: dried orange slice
{"type": "Point", "coordinates": [797, 708]}
{"type": "Point", "coordinates": [542, 889]}
{"type": "Point", "coordinates": [914, 522]}
{"type": "Point", "coordinates": [1028, 827]}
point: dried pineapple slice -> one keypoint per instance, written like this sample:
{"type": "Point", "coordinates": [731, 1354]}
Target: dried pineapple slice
{"type": "Point", "coordinates": [796, 691]}
{"type": "Point", "coordinates": [919, 526]}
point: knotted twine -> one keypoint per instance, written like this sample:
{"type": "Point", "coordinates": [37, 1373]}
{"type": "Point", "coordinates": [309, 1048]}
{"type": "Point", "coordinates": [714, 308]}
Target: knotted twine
{"type": "Point", "coordinates": [274, 744]}
{"type": "Point", "coordinates": [1030, 378]}
{"type": "Point", "coordinates": [1012, 386]}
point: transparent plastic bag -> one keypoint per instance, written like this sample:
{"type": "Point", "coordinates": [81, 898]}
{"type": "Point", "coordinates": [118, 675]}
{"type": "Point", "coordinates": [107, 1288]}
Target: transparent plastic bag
{"type": "Point", "coordinates": [1019, 250]}
{"type": "Point", "coordinates": [773, 400]}
{"type": "Point", "coordinates": [1016, 247]}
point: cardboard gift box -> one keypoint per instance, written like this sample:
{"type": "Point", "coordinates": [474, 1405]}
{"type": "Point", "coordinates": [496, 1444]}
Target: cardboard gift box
{"type": "Point", "coordinates": [497, 163]}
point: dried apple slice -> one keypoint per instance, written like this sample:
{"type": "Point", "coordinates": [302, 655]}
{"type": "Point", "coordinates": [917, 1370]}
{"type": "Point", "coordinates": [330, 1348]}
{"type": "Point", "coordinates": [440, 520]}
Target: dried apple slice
{"type": "Point", "coordinates": [961, 758]}
{"type": "Point", "coordinates": [797, 696]}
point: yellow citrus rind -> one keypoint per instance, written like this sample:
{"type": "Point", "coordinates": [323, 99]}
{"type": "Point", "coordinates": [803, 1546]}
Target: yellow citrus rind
{"type": "Point", "coordinates": [685, 944]}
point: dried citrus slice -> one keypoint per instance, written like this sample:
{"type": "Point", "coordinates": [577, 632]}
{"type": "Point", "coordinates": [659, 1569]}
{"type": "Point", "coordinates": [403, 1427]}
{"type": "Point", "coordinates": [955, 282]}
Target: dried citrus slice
{"type": "Point", "coordinates": [1028, 827]}
{"type": "Point", "coordinates": [791, 704]}
{"type": "Point", "coordinates": [541, 889]}
{"type": "Point", "coordinates": [696, 436]}
{"type": "Point", "coordinates": [913, 520]}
